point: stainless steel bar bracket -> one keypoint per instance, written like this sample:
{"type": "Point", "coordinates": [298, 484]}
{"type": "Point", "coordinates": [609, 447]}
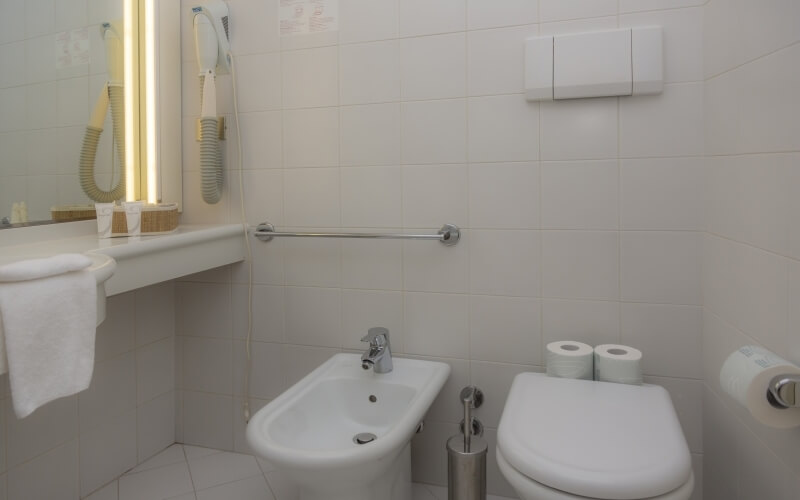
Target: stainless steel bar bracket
{"type": "Point", "coordinates": [448, 235]}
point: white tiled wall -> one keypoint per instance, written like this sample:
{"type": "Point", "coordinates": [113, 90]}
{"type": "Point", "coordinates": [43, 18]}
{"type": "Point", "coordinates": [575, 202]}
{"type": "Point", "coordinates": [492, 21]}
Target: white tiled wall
{"type": "Point", "coordinates": [581, 219]}
{"type": "Point", "coordinates": [750, 264]}
{"type": "Point", "coordinates": [73, 446]}
{"type": "Point", "coordinates": [44, 109]}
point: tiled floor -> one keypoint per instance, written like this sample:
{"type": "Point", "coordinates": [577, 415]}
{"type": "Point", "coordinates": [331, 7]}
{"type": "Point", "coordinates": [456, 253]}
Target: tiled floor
{"type": "Point", "coordinates": [183, 472]}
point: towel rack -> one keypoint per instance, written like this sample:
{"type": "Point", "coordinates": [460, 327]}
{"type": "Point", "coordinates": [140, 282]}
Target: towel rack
{"type": "Point", "coordinates": [448, 235]}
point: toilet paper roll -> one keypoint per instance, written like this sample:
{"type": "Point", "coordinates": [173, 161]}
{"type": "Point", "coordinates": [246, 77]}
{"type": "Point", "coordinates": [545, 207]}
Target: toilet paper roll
{"type": "Point", "coordinates": [569, 359]}
{"type": "Point", "coordinates": [746, 374]}
{"type": "Point", "coordinates": [621, 364]}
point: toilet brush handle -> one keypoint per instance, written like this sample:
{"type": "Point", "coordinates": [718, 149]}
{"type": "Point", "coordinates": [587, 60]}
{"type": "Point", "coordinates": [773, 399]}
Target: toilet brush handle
{"type": "Point", "coordinates": [467, 425]}
{"type": "Point", "coordinates": [471, 397]}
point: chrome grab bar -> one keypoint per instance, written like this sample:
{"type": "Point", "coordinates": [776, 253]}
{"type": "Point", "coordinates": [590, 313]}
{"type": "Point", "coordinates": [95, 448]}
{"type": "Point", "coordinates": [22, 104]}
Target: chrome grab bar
{"type": "Point", "coordinates": [448, 235]}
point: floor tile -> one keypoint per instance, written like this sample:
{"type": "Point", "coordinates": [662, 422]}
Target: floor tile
{"type": "Point", "coordinates": [420, 492]}
{"type": "Point", "coordinates": [188, 496]}
{"type": "Point", "coordinates": [156, 484]}
{"type": "Point", "coordinates": [252, 488]}
{"type": "Point", "coordinates": [172, 455]}
{"type": "Point", "coordinates": [107, 492]}
{"type": "Point", "coordinates": [198, 451]}
{"type": "Point", "coordinates": [282, 488]}
{"type": "Point", "coordinates": [265, 465]}
{"type": "Point", "coordinates": [184, 472]}
{"type": "Point", "coordinates": [438, 492]}
{"type": "Point", "coordinates": [221, 468]}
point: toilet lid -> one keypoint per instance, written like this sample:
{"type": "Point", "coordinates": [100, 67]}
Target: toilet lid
{"type": "Point", "coordinates": [595, 439]}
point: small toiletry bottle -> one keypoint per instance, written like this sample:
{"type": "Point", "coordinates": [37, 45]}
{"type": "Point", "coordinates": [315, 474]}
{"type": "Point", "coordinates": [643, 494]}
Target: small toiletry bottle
{"type": "Point", "coordinates": [105, 218]}
{"type": "Point", "coordinates": [15, 213]}
{"type": "Point", "coordinates": [133, 217]}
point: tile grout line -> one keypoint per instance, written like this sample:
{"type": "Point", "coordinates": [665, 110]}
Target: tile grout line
{"type": "Point", "coordinates": [540, 191]}
{"type": "Point", "coordinates": [191, 477]}
{"type": "Point", "coordinates": [269, 486]}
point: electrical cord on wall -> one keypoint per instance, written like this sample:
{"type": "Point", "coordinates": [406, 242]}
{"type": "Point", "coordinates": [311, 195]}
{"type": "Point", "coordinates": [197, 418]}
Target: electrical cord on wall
{"type": "Point", "coordinates": [248, 351]}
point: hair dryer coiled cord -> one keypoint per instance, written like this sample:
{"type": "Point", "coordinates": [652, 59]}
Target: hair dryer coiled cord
{"type": "Point", "coordinates": [211, 176]}
{"type": "Point", "coordinates": [116, 95]}
{"type": "Point", "coordinates": [210, 161]}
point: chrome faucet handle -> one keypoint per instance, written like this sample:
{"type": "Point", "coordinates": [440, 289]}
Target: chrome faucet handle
{"type": "Point", "coordinates": [377, 336]}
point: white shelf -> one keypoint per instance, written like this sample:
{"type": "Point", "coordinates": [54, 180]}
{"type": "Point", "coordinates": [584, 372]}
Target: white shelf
{"type": "Point", "coordinates": [139, 261]}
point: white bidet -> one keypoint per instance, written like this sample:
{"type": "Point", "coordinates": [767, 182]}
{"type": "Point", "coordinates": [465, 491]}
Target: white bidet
{"type": "Point", "coordinates": [344, 433]}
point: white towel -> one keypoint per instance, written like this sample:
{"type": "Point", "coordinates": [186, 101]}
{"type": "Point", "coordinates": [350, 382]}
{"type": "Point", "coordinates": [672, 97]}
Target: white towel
{"type": "Point", "coordinates": [48, 315]}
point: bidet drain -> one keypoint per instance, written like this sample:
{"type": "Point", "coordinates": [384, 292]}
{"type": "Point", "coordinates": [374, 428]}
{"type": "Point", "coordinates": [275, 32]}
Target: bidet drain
{"type": "Point", "coordinates": [364, 438]}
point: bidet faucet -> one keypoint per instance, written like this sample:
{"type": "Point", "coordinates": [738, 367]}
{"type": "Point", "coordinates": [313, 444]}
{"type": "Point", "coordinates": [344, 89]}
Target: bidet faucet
{"type": "Point", "coordinates": [379, 353]}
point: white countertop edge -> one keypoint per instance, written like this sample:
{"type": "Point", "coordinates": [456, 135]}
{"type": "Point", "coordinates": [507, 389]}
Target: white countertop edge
{"type": "Point", "coordinates": [140, 265]}
{"type": "Point", "coordinates": [185, 236]}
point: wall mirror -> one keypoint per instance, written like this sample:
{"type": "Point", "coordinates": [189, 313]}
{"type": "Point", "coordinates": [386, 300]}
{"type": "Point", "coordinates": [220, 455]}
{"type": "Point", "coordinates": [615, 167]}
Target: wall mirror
{"type": "Point", "coordinates": [89, 106]}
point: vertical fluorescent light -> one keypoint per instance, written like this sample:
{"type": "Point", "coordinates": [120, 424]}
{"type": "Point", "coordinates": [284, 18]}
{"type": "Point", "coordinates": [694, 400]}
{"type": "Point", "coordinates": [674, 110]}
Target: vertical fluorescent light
{"type": "Point", "coordinates": [150, 98]}
{"type": "Point", "coordinates": [128, 41]}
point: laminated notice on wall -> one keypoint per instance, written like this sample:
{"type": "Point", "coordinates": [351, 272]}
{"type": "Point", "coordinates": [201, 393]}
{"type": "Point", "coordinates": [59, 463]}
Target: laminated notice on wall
{"type": "Point", "coordinates": [301, 17]}
{"type": "Point", "coordinates": [72, 48]}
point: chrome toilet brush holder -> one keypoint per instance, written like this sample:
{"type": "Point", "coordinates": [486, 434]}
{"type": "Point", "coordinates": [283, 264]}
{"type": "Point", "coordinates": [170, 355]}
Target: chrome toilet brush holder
{"type": "Point", "coordinates": [466, 453]}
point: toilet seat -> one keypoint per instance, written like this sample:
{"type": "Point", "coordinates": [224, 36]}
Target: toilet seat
{"type": "Point", "coordinates": [594, 439]}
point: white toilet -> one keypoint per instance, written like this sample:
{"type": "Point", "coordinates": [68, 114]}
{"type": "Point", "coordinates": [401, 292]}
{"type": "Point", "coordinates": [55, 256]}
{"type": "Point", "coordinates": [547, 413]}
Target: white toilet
{"type": "Point", "coordinates": [564, 439]}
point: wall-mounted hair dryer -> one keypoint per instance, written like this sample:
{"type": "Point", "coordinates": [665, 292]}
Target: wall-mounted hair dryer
{"type": "Point", "coordinates": [113, 93]}
{"type": "Point", "coordinates": [213, 57]}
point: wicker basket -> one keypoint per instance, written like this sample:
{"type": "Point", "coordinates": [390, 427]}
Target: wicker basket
{"type": "Point", "coordinates": [161, 218]}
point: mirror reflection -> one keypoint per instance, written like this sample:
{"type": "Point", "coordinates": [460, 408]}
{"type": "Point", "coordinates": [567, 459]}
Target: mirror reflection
{"type": "Point", "coordinates": [61, 108]}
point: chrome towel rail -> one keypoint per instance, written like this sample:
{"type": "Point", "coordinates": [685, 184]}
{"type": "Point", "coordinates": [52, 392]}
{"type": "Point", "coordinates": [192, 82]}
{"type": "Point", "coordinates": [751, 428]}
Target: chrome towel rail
{"type": "Point", "coordinates": [448, 235]}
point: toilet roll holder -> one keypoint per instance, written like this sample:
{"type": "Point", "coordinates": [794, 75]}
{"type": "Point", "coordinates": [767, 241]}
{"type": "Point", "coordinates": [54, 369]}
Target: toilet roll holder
{"type": "Point", "coordinates": [784, 391]}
